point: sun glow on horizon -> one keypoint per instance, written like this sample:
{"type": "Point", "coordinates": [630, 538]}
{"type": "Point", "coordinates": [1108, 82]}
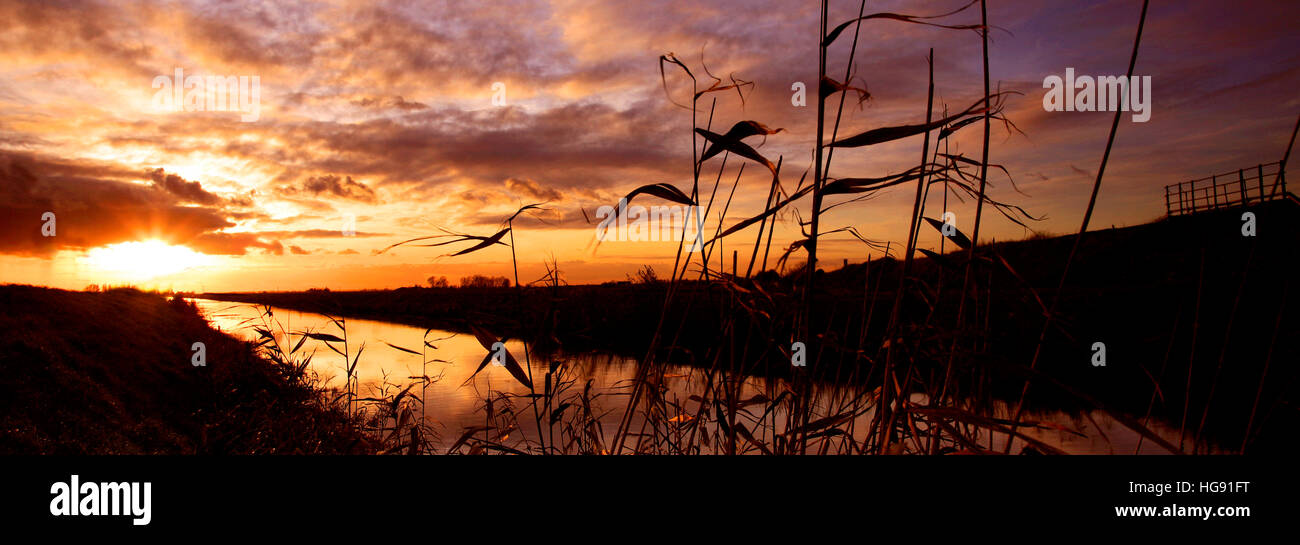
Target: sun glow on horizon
{"type": "Point", "coordinates": [143, 260]}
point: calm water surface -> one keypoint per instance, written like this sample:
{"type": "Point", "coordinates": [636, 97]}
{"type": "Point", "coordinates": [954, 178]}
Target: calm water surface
{"type": "Point", "coordinates": [455, 401]}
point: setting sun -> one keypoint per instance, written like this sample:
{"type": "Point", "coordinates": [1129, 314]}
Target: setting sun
{"type": "Point", "coordinates": [234, 231]}
{"type": "Point", "coordinates": [144, 259]}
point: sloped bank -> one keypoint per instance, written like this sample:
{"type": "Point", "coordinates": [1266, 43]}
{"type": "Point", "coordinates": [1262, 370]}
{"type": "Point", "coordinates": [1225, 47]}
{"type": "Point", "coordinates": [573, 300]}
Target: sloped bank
{"type": "Point", "coordinates": [113, 373]}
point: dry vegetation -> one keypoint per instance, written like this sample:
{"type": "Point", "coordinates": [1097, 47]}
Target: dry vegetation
{"type": "Point", "coordinates": [927, 354]}
{"type": "Point", "coordinates": [915, 385]}
{"type": "Point", "coordinates": [111, 373]}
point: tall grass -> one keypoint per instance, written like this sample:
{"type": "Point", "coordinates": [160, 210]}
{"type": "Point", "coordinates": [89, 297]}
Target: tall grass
{"type": "Point", "coordinates": [919, 383]}
{"type": "Point", "coordinates": [385, 414]}
{"type": "Point", "coordinates": [794, 415]}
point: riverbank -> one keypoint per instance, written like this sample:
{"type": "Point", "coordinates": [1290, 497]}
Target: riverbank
{"type": "Point", "coordinates": [114, 373]}
{"type": "Point", "coordinates": [1177, 320]}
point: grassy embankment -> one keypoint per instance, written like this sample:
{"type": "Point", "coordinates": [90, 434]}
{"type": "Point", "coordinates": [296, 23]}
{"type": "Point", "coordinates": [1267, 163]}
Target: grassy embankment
{"type": "Point", "coordinates": [112, 373]}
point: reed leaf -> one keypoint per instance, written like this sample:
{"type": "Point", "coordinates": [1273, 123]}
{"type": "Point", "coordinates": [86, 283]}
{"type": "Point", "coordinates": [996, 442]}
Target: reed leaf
{"type": "Point", "coordinates": [829, 87]}
{"type": "Point", "coordinates": [407, 350]}
{"type": "Point", "coordinates": [915, 19]}
{"type": "Point", "coordinates": [494, 239]}
{"type": "Point", "coordinates": [738, 132]}
{"type": "Point", "coordinates": [720, 142]}
{"type": "Point", "coordinates": [889, 134]}
{"type": "Point", "coordinates": [957, 237]}
{"type": "Point", "coordinates": [511, 364]}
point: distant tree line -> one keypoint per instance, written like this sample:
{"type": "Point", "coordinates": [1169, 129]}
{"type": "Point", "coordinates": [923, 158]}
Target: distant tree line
{"type": "Point", "coordinates": [473, 281]}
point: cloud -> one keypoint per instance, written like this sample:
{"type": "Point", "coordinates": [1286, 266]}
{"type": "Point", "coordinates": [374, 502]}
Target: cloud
{"type": "Point", "coordinates": [531, 188]}
{"type": "Point", "coordinates": [384, 109]}
{"type": "Point", "coordinates": [390, 102]}
{"type": "Point", "coordinates": [336, 186]}
{"type": "Point", "coordinates": [35, 33]}
{"type": "Point", "coordinates": [185, 191]}
{"type": "Point", "coordinates": [90, 212]}
{"type": "Point", "coordinates": [318, 233]}
{"type": "Point", "coordinates": [233, 244]}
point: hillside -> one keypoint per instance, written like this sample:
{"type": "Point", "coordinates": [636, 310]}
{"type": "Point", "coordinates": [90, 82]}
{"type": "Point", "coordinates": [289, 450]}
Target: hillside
{"type": "Point", "coordinates": [112, 373]}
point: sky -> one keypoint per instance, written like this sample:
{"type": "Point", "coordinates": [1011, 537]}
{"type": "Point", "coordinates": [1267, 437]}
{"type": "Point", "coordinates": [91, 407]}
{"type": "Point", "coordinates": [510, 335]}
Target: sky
{"type": "Point", "coordinates": [377, 122]}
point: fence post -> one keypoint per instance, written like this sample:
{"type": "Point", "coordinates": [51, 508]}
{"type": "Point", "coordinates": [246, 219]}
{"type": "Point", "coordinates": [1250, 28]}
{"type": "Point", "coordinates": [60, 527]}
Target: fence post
{"type": "Point", "coordinates": [1241, 177]}
{"type": "Point", "coordinates": [1214, 183]}
{"type": "Point", "coordinates": [1277, 181]}
{"type": "Point", "coordinates": [1261, 182]}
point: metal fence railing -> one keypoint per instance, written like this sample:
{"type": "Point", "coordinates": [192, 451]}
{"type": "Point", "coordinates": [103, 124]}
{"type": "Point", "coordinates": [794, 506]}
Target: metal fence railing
{"type": "Point", "coordinates": [1264, 182]}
